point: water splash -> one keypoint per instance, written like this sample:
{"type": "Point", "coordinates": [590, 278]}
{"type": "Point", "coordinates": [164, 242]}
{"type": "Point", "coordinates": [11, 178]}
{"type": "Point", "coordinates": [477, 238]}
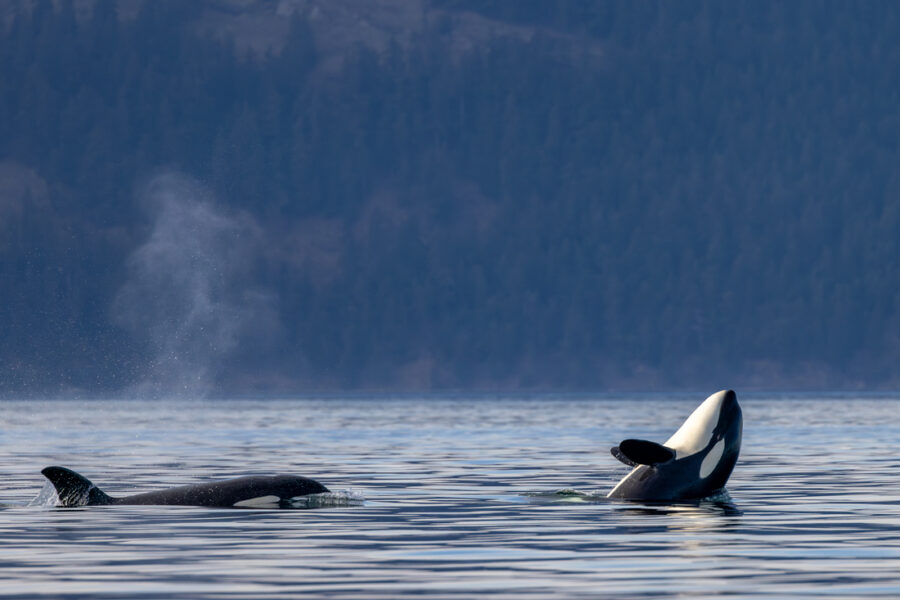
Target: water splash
{"type": "Point", "coordinates": [721, 497]}
{"type": "Point", "coordinates": [184, 295]}
{"type": "Point", "coordinates": [567, 495]}
{"type": "Point", "coordinates": [46, 498]}
{"type": "Point", "coordinates": [349, 497]}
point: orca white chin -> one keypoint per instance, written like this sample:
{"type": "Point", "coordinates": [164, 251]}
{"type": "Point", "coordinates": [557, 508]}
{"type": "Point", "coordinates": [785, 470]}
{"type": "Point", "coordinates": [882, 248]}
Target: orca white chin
{"type": "Point", "coordinates": [695, 433]}
{"type": "Point", "coordinates": [694, 463]}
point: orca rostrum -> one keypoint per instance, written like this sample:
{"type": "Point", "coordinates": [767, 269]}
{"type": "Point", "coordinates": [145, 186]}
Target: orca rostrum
{"type": "Point", "coordinates": [280, 491]}
{"type": "Point", "coordinates": [693, 464]}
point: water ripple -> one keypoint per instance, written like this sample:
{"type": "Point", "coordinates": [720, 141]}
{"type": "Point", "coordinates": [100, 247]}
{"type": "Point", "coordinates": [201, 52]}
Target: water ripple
{"type": "Point", "coordinates": [450, 498]}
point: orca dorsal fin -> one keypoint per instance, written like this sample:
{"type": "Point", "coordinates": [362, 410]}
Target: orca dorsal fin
{"type": "Point", "coordinates": [73, 489]}
{"type": "Point", "coordinates": [642, 452]}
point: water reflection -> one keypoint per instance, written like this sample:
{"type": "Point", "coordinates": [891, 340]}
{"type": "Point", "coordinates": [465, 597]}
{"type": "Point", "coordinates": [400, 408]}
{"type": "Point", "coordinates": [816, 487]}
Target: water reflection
{"type": "Point", "coordinates": [698, 509]}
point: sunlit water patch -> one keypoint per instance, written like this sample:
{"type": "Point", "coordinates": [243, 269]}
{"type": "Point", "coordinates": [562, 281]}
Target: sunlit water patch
{"type": "Point", "coordinates": [443, 498]}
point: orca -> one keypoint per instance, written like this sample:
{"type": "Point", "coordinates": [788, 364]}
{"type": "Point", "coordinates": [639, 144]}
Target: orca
{"type": "Point", "coordinates": [280, 491]}
{"type": "Point", "coordinates": [693, 464]}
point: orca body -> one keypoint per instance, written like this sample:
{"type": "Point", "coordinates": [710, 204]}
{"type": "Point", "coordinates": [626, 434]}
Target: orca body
{"type": "Point", "coordinates": [279, 491]}
{"type": "Point", "coordinates": [694, 463]}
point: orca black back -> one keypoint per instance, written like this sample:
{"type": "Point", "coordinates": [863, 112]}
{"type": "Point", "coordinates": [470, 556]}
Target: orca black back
{"type": "Point", "coordinates": [279, 491]}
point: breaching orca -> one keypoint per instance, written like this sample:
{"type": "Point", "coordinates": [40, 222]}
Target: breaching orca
{"type": "Point", "coordinates": [694, 463]}
{"type": "Point", "coordinates": [279, 491]}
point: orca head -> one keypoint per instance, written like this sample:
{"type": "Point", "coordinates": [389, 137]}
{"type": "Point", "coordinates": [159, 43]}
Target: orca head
{"type": "Point", "coordinates": [273, 492]}
{"type": "Point", "coordinates": [717, 419]}
{"type": "Point", "coordinates": [702, 453]}
{"type": "Point", "coordinates": [711, 437]}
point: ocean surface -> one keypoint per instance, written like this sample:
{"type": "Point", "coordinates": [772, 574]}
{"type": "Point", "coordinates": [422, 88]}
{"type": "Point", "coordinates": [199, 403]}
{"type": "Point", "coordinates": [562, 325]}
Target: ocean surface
{"type": "Point", "coordinates": [450, 497]}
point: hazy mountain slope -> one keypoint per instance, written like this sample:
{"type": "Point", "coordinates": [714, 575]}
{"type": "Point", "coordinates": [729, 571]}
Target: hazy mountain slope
{"type": "Point", "coordinates": [449, 195]}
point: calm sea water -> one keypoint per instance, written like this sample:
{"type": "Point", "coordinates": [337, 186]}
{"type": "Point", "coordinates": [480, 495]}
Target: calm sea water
{"type": "Point", "coordinates": [451, 498]}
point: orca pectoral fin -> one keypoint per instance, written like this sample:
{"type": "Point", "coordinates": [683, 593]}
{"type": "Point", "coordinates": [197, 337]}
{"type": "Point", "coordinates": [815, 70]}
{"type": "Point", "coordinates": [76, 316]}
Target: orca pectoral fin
{"type": "Point", "coordinates": [642, 452]}
{"type": "Point", "coordinates": [621, 457]}
{"type": "Point", "coordinates": [73, 489]}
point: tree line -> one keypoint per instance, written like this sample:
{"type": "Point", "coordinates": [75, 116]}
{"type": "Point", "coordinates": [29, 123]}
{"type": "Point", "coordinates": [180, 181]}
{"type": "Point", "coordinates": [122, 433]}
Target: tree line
{"type": "Point", "coordinates": [709, 198]}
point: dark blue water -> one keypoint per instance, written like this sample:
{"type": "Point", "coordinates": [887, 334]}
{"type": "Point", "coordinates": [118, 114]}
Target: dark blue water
{"type": "Point", "coordinates": [451, 498]}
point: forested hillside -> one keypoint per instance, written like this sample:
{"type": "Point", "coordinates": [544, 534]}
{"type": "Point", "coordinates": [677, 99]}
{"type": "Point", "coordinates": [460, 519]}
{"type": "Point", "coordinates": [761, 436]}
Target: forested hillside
{"type": "Point", "coordinates": [614, 195]}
